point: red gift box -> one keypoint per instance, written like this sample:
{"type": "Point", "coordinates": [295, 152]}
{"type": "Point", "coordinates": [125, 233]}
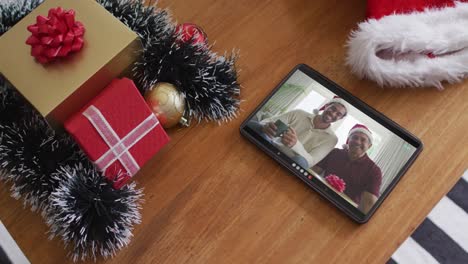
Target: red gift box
{"type": "Point", "coordinates": [118, 131]}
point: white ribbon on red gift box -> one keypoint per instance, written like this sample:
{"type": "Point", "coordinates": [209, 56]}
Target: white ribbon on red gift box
{"type": "Point", "coordinates": [118, 148]}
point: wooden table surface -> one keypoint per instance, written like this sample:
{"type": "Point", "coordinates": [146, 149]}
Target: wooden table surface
{"type": "Point", "coordinates": [213, 197]}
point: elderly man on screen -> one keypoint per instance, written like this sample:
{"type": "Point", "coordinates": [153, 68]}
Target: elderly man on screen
{"type": "Point", "coordinates": [362, 176]}
{"type": "Point", "coordinates": [309, 137]}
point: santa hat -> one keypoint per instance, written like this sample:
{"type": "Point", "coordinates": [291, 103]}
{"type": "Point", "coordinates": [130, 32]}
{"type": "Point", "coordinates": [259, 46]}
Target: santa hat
{"type": "Point", "coordinates": [360, 128]}
{"type": "Point", "coordinates": [411, 42]}
{"type": "Point", "coordinates": [335, 99]}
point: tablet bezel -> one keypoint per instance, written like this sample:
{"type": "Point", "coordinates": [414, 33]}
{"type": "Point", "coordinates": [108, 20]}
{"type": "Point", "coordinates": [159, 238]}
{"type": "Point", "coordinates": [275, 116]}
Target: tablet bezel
{"type": "Point", "coordinates": [315, 183]}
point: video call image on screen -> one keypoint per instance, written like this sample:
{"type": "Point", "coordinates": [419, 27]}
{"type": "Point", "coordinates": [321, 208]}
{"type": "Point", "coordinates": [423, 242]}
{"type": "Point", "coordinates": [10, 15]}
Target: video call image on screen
{"type": "Point", "coordinates": [332, 140]}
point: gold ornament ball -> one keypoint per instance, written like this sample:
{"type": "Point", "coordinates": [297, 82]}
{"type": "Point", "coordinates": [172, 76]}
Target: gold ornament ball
{"type": "Point", "coordinates": [166, 103]}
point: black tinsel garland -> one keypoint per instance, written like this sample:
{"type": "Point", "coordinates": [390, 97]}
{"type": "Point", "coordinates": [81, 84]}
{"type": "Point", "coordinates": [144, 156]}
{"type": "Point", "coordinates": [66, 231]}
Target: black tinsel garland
{"type": "Point", "coordinates": [13, 11]}
{"type": "Point", "coordinates": [50, 173]}
{"type": "Point", "coordinates": [148, 22]}
{"type": "Point", "coordinates": [207, 81]}
{"type": "Point", "coordinates": [12, 105]}
{"type": "Point", "coordinates": [31, 152]}
{"type": "Point", "coordinates": [88, 213]}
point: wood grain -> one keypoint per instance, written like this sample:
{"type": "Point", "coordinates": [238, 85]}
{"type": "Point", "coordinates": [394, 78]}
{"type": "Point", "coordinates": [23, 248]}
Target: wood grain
{"type": "Point", "coordinates": [212, 197]}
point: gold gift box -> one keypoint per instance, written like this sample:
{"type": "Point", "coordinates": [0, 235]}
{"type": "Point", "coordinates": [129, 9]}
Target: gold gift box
{"type": "Point", "coordinates": [61, 88]}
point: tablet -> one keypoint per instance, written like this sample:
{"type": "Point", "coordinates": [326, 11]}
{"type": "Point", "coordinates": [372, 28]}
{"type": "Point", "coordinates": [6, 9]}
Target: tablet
{"type": "Point", "coordinates": [335, 143]}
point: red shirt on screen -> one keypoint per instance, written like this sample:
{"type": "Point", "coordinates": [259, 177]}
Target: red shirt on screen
{"type": "Point", "coordinates": [360, 175]}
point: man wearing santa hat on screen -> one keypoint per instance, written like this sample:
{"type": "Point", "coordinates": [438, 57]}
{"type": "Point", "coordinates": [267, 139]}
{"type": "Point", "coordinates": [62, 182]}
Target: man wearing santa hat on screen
{"type": "Point", "coordinates": [309, 137]}
{"type": "Point", "coordinates": [361, 175]}
{"type": "Point", "coordinates": [414, 43]}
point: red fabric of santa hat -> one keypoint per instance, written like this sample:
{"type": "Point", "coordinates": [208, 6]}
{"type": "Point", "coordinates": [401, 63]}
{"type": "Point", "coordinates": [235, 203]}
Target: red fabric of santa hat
{"type": "Point", "coordinates": [360, 128]}
{"type": "Point", "coordinates": [335, 99]}
{"type": "Point", "coordinates": [411, 43]}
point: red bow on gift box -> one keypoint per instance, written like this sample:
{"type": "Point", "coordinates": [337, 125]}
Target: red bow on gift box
{"type": "Point", "coordinates": [56, 35]}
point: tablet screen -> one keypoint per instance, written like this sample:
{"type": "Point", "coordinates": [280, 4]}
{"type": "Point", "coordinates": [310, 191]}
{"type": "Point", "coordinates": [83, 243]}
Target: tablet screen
{"type": "Point", "coordinates": [331, 138]}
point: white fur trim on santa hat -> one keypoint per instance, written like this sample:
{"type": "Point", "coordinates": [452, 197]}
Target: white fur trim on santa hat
{"type": "Point", "coordinates": [333, 100]}
{"type": "Point", "coordinates": [442, 32]}
{"type": "Point", "coordinates": [340, 101]}
{"type": "Point", "coordinates": [362, 130]}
